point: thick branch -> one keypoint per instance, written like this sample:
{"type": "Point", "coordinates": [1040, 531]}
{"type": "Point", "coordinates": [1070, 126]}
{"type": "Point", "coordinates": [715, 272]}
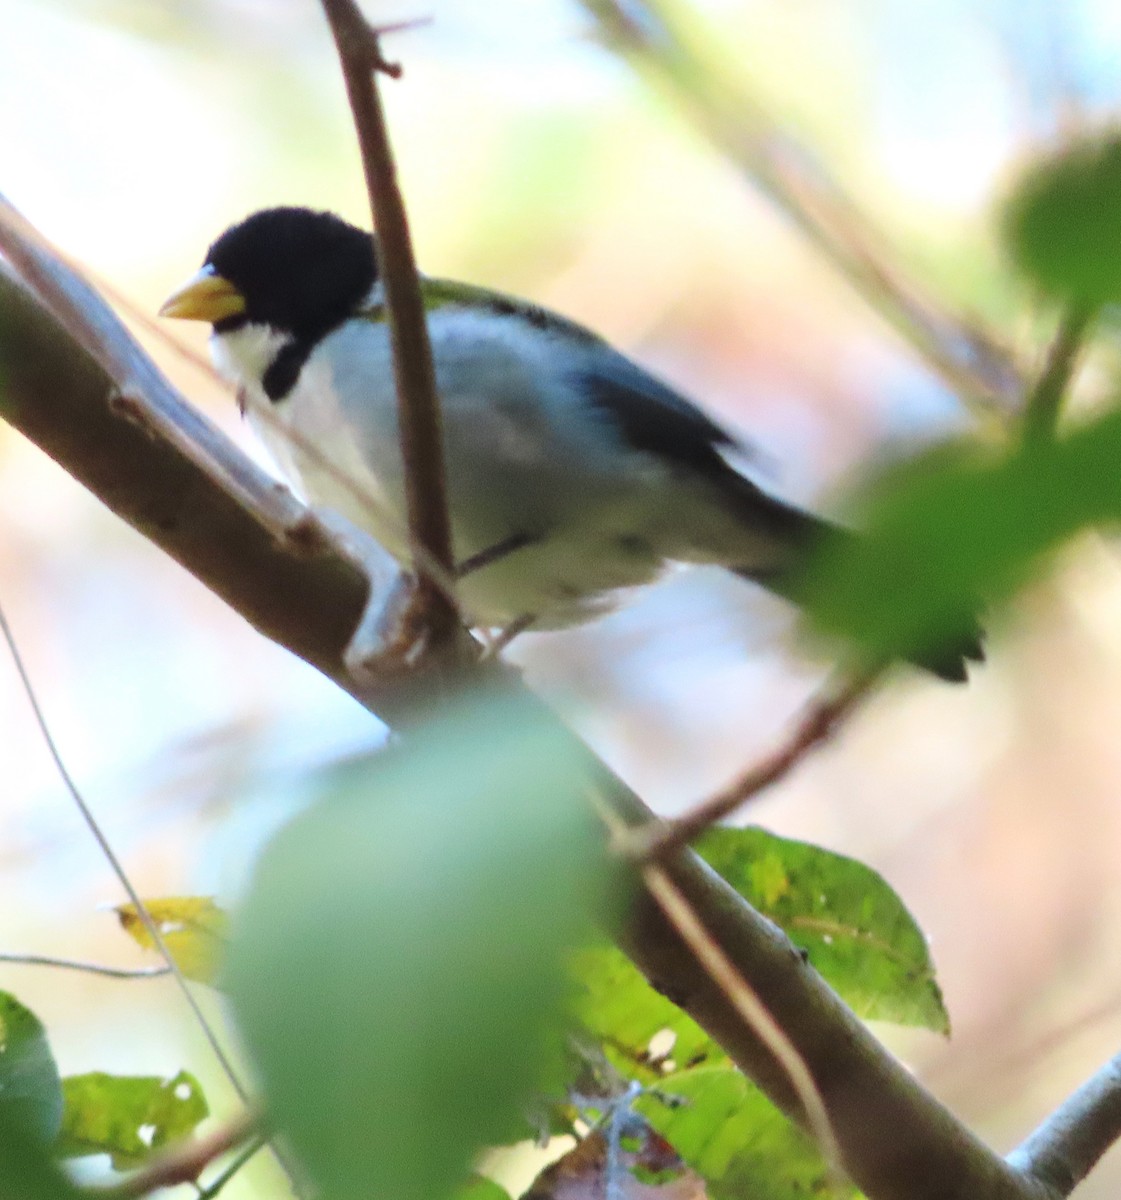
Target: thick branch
{"type": "Point", "coordinates": [1062, 1151]}
{"type": "Point", "coordinates": [755, 1015]}
{"type": "Point", "coordinates": [226, 523]}
{"type": "Point", "coordinates": [418, 405]}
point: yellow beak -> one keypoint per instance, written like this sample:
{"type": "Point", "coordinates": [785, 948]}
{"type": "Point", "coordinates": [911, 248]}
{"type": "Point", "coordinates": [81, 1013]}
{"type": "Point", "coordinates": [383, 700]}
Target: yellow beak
{"type": "Point", "coordinates": [206, 296]}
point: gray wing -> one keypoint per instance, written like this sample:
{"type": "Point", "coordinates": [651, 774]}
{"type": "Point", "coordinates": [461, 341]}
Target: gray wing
{"type": "Point", "coordinates": [652, 417]}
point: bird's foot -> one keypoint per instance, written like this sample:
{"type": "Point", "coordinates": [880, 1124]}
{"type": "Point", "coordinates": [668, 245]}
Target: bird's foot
{"type": "Point", "coordinates": [508, 632]}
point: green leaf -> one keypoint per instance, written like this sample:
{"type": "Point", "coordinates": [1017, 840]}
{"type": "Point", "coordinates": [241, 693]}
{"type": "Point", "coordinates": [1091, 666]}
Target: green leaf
{"type": "Point", "coordinates": [399, 959]}
{"type": "Point", "coordinates": [30, 1090]}
{"type": "Point", "coordinates": [731, 1135]}
{"type": "Point", "coordinates": [127, 1116]}
{"type": "Point", "coordinates": [27, 1170]}
{"type": "Point", "coordinates": [193, 929]}
{"type": "Point", "coordinates": [1063, 222]}
{"type": "Point", "coordinates": [614, 1003]}
{"type": "Point", "coordinates": [854, 928]}
{"type": "Point", "coordinates": [960, 526]}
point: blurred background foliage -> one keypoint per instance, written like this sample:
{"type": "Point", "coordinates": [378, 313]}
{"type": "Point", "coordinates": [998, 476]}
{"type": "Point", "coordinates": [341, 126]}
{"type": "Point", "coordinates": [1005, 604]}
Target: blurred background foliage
{"type": "Point", "coordinates": [537, 161]}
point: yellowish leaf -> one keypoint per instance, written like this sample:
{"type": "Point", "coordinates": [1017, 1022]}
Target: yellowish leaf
{"type": "Point", "coordinates": [193, 929]}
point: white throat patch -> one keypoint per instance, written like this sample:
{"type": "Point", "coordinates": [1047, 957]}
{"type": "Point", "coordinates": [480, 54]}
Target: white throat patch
{"type": "Point", "coordinates": [243, 355]}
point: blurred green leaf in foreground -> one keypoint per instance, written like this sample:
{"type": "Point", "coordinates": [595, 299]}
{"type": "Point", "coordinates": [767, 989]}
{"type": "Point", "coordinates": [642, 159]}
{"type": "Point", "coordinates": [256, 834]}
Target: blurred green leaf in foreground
{"type": "Point", "coordinates": [961, 528]}
{"type": "Point", "coordinates": [965, 526]}
{"type": "Point", "coordinates": [27, 1170]}
{"type": "Point", "coordinates": [127, 1116]}
{"type": "Point", "coordinates": [398, 963]}
{"type": "Point", "coordinates": [1063, 222]}
{"type": "Point", "coordinates": [30, 1088]}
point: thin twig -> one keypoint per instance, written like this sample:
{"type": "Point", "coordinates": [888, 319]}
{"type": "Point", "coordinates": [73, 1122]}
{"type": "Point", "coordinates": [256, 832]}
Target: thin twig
{"type": "Point", "coordinates": [114, 862]}
{"type": "Point", "coordinates": [1062, 1151]}
{"type": "Point", "coordinates": [216, 1185]}
{"type": "Point", "coordinates": [820, 722]}
{"type": "Point", "coordinates": [183, 1163]}
{"type": "Point", "coordinates": [126, 883]}
{"type": "Point", "coordinates": [967, 357]}
{"type": "Point", "coordinates": [1044, 402]}
{"type": "Point", "coordinates": [418, 405]}
{"type": "Point", "coordinates": [90, 968]}
{"type": "Point", "coordinates": [755, 1014]}
{"type": "Point", "coordinates": [716, 964]}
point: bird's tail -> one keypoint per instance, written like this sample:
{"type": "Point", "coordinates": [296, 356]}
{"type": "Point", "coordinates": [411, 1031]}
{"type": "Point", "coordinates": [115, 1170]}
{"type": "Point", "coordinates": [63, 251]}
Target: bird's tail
{"type": "Point", "coordinates": [801, 536]}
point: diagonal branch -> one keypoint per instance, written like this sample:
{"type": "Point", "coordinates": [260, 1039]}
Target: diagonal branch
{"type": "Point", "coordinates": [956, 346]}
{"type": "Point", "coordinates": [897, 1142]}
{"type": "Point", "coordinates": [75, 382]}
{"type": "Point", "coordinates": [418, 405]}
{"type": "Point", "coordinates": [183, 1163]}
{"type": "Point", "coordinates": [820, 722]}
{"type": "Point", "coordinates": [754, 1013]}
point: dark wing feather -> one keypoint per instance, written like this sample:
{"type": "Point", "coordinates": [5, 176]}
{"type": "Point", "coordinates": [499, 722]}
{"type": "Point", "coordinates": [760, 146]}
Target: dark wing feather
{"type": "Point", "coordinates": [652, 417]}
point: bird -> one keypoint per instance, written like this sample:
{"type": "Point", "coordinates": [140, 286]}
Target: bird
{"type": "Point", "coordinates": [573, 474]}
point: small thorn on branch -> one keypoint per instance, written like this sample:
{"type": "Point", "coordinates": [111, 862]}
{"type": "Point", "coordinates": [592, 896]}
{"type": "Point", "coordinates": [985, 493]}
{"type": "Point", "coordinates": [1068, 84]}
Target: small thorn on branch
{"type": "Point", "coordinates": [371, 48]}
{"type": "Point", "coordinates": [365, 38]}
{"type": "Point", "coordinates": [361, 40]}
{"type": "Point", "coordinates": [378, 62]}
